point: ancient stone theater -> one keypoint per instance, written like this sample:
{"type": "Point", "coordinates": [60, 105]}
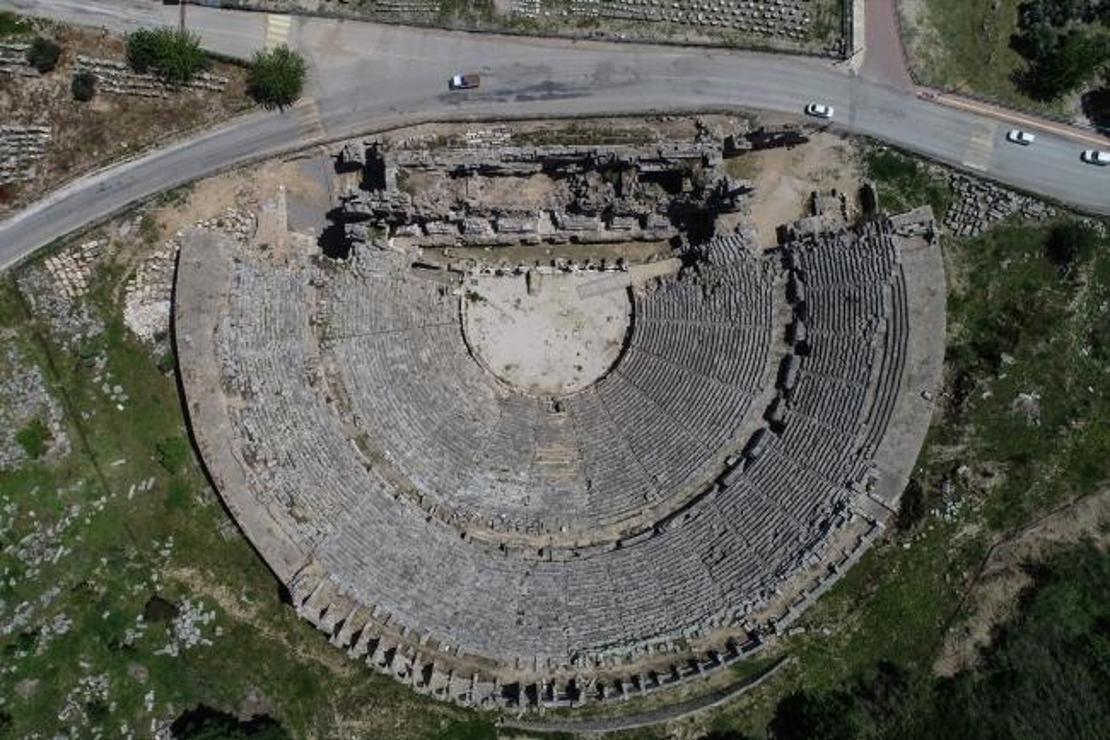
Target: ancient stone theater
{"type": "Point", "coordinates": [548, 424]}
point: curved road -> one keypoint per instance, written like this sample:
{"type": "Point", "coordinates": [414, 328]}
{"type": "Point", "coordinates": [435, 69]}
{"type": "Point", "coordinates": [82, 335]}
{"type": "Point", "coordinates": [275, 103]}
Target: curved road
{"type": "Point", "coordinates": [368, 76]}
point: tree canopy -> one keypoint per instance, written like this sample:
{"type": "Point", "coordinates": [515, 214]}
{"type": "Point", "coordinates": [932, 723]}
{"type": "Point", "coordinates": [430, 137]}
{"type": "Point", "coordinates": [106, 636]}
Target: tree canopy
{"type": "Point", "coordinates": [277, 77]}
{"type": "Point", "coordinates": [43, 54]}
{"type": "Point", "coordinates": [170, 53]}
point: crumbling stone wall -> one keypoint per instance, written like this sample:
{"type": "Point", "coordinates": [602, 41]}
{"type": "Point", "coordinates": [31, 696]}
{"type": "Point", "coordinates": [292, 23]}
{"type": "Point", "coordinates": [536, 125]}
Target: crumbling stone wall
{"type": "Point", "coordinates": [598, 193]}
{"type": "Point", "coordinates": [13, 60]}
{"type": "Point", "coordinates": [117, 77]}
{"type": "Point", "coordinates": [979, 204]}
{"type": "Point", "coordinates": [21, 148]}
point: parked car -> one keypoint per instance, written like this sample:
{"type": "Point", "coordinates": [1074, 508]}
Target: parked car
{"type": "Point", "coordinates": [1096, 157]}
{"type": "Point", "coordinates": [1017, 136]}
{"type": "Point", "coordinates": [819, 110]}
{"type": "Point", "coordinates": [464, 82]}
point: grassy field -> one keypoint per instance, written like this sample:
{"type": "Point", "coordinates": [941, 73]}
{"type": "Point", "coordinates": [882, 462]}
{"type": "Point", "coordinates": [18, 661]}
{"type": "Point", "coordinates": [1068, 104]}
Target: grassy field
{"type": "Point", "coordinates": [113, 556]}
{"type": "Point", "coordinates": [965, 45]}
{"type": "Point", "coordinates": [128, 598]}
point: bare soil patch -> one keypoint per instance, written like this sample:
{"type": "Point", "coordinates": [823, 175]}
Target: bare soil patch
{"type": "Point", "coordinates": [786, 178]}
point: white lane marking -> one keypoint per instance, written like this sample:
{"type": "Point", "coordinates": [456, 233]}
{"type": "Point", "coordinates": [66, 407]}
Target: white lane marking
{"type": "Point", "coordinates": [277, 29]}
{"type": "Point", "coordinates": [308, 119]}
{"type": "Point", "coordinates": [980, 146]}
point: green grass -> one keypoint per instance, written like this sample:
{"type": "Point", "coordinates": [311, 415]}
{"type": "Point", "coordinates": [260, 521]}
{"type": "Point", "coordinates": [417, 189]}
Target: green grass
{"type": "Point", "coordinates": [34, 438]}
{"type": "Point", "coordinates": [1024, 332]}
{"type": "Point", "coordinates": [118, 555]}
{"type": "Point", "coordinates": [12, 25]}
{"type": "Point", "coordinates": [965, 46]}
{"type": "Point", "coordinates": [904, 182]}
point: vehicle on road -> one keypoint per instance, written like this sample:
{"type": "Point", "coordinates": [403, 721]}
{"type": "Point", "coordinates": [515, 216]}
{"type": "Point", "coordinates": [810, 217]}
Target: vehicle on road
{"type": "Point", "coordinates": [819, 110]}
{"type": "Point", "coordinates": [1096, 157]}
{"type": "Point", "coordinates": [464, 82]}
{"type": "Point", "coordinates": [1017, 136]}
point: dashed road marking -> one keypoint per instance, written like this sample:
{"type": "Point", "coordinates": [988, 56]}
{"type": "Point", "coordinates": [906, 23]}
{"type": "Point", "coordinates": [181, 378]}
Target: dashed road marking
{"type": "Point", "coordinates": [308, 119]}
{"type": "Point", "coordinates": [980, 146]}
{"type": "Point", "coordinates": [277, 29]}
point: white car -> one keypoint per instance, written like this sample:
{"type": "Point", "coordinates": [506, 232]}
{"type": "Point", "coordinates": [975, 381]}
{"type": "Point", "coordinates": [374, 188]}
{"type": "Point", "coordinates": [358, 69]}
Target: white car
{"type": "Point", "coordinates": [1095, 156]}
{"type": "Point", "coordinates": [1017, 136]}
{"type": "Point", "coordinates": [819, 110]}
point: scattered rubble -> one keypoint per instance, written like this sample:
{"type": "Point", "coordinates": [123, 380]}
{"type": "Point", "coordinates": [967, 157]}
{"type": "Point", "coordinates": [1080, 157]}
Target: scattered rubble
{"type": "Point", "coordinates": [23, 399]}
{"type": "Point", "coordinates": [54, 288]}
{"type": "Point", "coordinates": [187, 633]}
{"type": "Point", "coordinates": [21, 148]}
{"type": "Point", "coordinates": [117, 77]}
{"type": "Point", "coordinates": [148, 294]}
{"type": "Point", "coordinates": [13, 60]}
{"type": "Point", "coordinates": [72, 268]}
{"type": "Point", "coordinates": [980, 204]}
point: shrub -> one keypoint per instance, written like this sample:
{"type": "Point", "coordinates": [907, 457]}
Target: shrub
{"type": "Point", "coordinates": [173, 453]}
{"type": "Point", "coordinates": [33, 438]}
{"type": "Point", "coordinates": [1070, 243]}
{"type": "Point", "coordinates": [12, 25]}
{"type": "Point", "coordinates": [170, 53]}
{"type": "Point", "coordinates": [277, 77]}
{"type": "Point", "coordinates": [43, 54]}
{"type": "Point", "coordinates": [83, 86]}
{"type": "Point", "coordinates": [1064, 67]}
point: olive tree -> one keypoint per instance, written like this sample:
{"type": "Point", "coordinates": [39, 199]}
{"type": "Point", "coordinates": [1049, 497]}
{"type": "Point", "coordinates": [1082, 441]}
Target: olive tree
{"type": "Point", "coordinates": [277, 76]}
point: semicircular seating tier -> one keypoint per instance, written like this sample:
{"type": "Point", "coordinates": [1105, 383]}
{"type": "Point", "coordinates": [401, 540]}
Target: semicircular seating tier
{"type": "Point", "coordinates": [659, 424]}
{"type": "Point", "coordinates": [338, 411]}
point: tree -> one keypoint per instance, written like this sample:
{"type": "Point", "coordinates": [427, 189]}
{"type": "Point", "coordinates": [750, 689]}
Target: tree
{"type": "Point", "coordinates": [277, 77]}
{"type": "Point", "coordinates": [170, 53]}
{"type": "Point", "coordinates": [1069, 243]}
{"type": "Point", "coordinates": [206, 723]}
{"type": "Point", "coordinates": [1096, 104]}
{"type": "Point", "coordinates": [83, 86]}
{"type": "Point", "coordinates": [1074, 59]}
{"type": "Point", "coordinates": [43, 54]}
{"type": "Point", "coordinates": [801, 715]}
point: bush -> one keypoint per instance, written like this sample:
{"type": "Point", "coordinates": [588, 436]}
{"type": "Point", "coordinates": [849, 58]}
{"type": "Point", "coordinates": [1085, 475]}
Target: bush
{"type": "Point", "coordinates": [83, 86]}
{"type": "Point", "coordinates": [815, 716]}
{"type": "Point", "coordinates": [12, 25]}
{"type": "Point", "coordinates": [170, 53]}
{"type": "Point", "coordinates": [1096, 104]}
{"type": "Point", "coordinates": [1070, 243]}
{"type": "Point", "coordinates": [172, 453]}
{"type": "Point", "coordinates": [1060, 67]}
{"type": "Point", "coordinates": [43, 54]}
{"type": "Point", "coordinates": [33, 438]}
{"type": "Point", "coordinates": [277, 77]}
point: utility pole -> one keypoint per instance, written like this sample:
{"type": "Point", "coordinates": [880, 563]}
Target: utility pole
{"type": "Point", "coordinates": [182, 4]}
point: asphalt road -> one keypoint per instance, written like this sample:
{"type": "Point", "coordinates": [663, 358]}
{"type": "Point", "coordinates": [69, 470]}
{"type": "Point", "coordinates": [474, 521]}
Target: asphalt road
{"type": "Point", "coordinates": [368, 76]}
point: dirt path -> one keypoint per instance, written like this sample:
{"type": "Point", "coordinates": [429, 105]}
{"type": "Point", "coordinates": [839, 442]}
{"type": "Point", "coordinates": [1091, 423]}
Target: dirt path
{"type": "Point", "coordinates": [994, 594]}
{"type": "Point", "coordinates": [885, 59]}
